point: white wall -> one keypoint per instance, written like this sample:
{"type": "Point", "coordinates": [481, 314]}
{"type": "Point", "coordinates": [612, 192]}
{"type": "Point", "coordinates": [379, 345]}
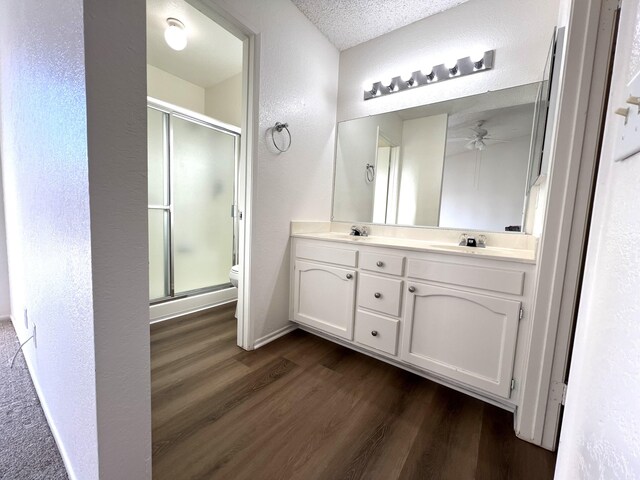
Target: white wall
{"type": "Point", "coordinates": [519, 31]}
{"type": "Point", "coordinates": [485, 190]}
{"type": "Point", "coordinates": [600, 434]}
{"type": "Point", "coordinates": [116, 86]}
{"type": "Point", "coordinates": [5, 300]}
{"type": "Point", "coordinates": [46, 189]}
{"type": "Point", "coordinates": [298, 82]}
{"type": "Point", "coordinates": [357, 145]}
{"type": "Point", "coordinates": [164, 86]}
{"type": "Point", "coordinates": [73, 152]}
{"type": "Point", "coordinates": [422, 159]}
{"type": "Point", "coordinates": [223, 101]}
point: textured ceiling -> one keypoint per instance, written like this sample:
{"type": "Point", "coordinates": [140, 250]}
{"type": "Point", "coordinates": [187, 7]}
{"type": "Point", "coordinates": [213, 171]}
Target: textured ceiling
{"type": "Point", "coordinates": [347, 23]}
{"type": "Point", "coordinates": [212, 54]}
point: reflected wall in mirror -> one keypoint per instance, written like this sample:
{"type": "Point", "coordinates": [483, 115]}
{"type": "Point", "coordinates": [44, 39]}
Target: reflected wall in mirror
{"type": "Point", "coordinates": [465, 163]}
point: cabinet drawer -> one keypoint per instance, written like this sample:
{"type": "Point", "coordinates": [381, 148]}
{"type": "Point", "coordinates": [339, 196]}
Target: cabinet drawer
{"type": "Point", "coordinates": [377, 332]}
{"type": "Point", "coordinates": [485, 278]}
{"type": "Point", "coordinates": [382, 262]}
{"type": "Point", "coordinates": [319, 253]}
{"type": "Point", "coordinates": [380, 294]}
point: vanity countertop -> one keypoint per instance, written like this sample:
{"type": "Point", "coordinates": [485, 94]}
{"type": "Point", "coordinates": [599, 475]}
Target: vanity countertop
{"type": "Point", "coordinates": [496, 253]}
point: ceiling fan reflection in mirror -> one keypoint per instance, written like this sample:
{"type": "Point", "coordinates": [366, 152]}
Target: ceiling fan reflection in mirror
{"type": "Point", "coordinates": [480, 139]}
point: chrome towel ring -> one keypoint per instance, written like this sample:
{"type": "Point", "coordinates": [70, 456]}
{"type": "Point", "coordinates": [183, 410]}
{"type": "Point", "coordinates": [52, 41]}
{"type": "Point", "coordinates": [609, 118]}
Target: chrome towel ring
{"type": "Point", "coordinates": [278, 128]}
{"type": "Point", "coordinates": [370, 173]}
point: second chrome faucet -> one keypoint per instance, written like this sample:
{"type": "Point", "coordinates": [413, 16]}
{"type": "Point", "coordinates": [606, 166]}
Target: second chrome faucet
{"type": "Point", "coordinates": [359, 231]}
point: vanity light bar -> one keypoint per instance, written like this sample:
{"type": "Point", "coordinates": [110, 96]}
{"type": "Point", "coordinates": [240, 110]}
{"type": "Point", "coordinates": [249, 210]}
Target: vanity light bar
{"type": "Point", "coordinates": [439, 73]}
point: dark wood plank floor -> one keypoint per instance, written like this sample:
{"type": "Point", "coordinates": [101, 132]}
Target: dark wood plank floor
{"type": "Point", "coordinates": [305, 408]}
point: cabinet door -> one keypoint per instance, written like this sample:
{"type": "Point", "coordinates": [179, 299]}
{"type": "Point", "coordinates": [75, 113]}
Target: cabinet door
{"type": "Point", "coordinates": [324, 298]}
{"type": "Point", "coordinates": [467, 337]}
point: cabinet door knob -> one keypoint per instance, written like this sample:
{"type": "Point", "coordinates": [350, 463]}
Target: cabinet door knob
{"type": "Point", "coordinates": [412, 289]}
{"type": "Point", "coordinates": [377, 294]}
{"type": "Point", "coordinates": [379, 263]}
{"type": "Point", "coordinates": [374, 333]}
{"type": "Point", "coordinates": [349, 276]}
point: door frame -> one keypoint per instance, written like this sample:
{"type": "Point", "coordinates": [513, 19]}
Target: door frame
{"type": "Point", "coordinates": [248, 158]}
{"type": "Point", "coordinates": [584, 80]}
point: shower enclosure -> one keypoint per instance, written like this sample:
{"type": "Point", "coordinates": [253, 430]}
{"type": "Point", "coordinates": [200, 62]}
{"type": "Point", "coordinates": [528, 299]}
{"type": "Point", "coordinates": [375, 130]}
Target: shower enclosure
{"type": "Point", "coordinates": [192, 168]}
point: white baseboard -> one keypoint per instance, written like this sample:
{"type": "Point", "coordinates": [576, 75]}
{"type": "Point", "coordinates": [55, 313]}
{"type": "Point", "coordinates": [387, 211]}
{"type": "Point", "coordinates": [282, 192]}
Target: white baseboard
{"type": "Point", "coordinates": [281, 332]}
{"type": "Point", "coordinates": [6, 317]}
{"type": "Point", "coordinates": [47, 413]}
{"type": "Point", "coordinates": [184, 306]}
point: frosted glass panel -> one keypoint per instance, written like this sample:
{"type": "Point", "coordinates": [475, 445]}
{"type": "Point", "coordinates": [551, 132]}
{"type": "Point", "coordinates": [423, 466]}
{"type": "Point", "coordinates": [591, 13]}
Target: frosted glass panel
{"type": "Point", "coordinates": [203, 182]}
{"type": "Point", "coordinates": [156, 143]}
{"type": "Point", "coordinates": [157, 255]}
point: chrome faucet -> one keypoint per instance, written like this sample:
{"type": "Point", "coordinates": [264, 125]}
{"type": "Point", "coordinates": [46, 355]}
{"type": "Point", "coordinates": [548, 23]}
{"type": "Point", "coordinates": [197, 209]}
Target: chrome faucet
{"type": "Point", "coordinates": [359, 231]}
{"type": "Point", "coordinates": [468, 241]}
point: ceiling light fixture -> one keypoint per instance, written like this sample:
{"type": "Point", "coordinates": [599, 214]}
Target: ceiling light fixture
{"type": "Point", "coordinates": [477, 63]}
{"type": "Point", "coordinates": [175, 34]}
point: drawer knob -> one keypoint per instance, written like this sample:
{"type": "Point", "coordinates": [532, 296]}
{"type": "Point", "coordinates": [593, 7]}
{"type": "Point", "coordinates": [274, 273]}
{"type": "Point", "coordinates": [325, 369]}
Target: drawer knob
{"type": "Point", "coordinates": [377, 294]}
{"type": "Point", "coordinates": [380, 263]}
{"type": "Point", "coordinates": [349, 276]}
{"type": "Point", "coordinates": [412, 289]}
{"type": "Point", "coordinates": [374, 333]}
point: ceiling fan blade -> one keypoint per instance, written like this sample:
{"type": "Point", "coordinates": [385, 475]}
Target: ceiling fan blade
{"type": "Point", "coordinates": [460, 139]}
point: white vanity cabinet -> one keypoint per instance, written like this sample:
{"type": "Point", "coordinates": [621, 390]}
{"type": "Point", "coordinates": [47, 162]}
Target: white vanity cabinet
{"type": "Point", "coordinates": [461, 321]}
{"type": "Point", "coordinates": [324, 293]}
{"type": "Point", "coordinates": [453, 318]}
{"type": "Point", "coordinates": [468, 337]}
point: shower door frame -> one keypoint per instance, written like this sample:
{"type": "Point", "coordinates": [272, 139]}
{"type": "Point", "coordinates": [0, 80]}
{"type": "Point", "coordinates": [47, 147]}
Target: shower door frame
{"type": "Point", "coordinates": [185, 114]}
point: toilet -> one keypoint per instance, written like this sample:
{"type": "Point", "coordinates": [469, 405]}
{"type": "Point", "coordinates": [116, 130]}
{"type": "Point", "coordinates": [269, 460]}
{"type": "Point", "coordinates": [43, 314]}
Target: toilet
{"type": "Point", "coordinates": [233, 275]}
{"type": "Point", "coordinates": [233, 278]}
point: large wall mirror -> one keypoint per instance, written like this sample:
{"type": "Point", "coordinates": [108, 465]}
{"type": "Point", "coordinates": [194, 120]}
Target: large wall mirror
{"type": "Point", "coordinates": [467, 163]}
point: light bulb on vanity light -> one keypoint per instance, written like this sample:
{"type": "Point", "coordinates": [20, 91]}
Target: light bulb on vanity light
{"type": "Point", "coordinates": [407, 78]}
{"type": "Point", "coordinates": [388, 83]}
{"type": "Point", "coordinates": [430, 74]}
{"type": "Point", "coordinates": [477, 57]}
{"type": "Point", "coordinates": [175, 34]}
{"type": "Point", "coordinates": [452, 66]}
{"type": "Point", "coordinates": [369, 86]}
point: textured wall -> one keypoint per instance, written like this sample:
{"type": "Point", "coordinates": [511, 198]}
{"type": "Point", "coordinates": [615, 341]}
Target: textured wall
{"type": "Point", "coordinates": [520, 31]}
{"type": "Point", "coordinates": [115, 47]}
{"type": "Point", "coordinates": [298, 85]}
{"type": "Point", "coordinates": [600, 435]}
{"type": "Point", "coordinates": [46, 187]}
{"type": "Point", "coordinates": [74, 159]}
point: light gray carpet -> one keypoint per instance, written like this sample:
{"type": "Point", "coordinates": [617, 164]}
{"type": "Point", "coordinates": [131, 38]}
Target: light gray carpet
{"type": "Point", "coordinates": [27, 448]}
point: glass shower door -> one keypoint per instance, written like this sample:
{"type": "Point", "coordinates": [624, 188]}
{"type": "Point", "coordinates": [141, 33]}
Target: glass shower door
{"type": "Point", "coordinates": [203, 187]}
{"type": "Point", "coordinates": [192, 177]}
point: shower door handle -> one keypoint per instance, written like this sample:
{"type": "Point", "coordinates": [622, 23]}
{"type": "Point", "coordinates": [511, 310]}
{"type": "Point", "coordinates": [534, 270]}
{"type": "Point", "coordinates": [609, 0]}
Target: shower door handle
{"type": "Point", "coordinates": [235, 212]}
